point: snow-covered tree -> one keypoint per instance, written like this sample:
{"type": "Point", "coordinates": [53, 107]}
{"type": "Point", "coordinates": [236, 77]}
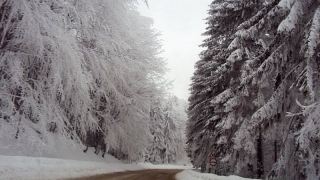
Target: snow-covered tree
{"type": "Point", "coordinates": [283, 73]}
{"type": "Point", "coordinates": [215, 97]}
{"type": "Point", "coordinates": [78, 68]}
{"type": "Point", "coordinates": [175, 117]}
{"type": "Point", "coordinates": [276, 46]}
{"type": "Point", "coordinates": [167, 130]}
{"type": "Point", "coordinates": [42, 75]}
{"type": "Point", "coordinates": [293, 57]}
{"type": "Point", "coordinates": [157, 151]}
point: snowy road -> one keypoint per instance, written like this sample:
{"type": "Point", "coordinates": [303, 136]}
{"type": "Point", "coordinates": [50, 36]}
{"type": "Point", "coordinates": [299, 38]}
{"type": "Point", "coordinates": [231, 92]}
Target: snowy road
{"type": "Point", "coordinates": [39, 168]}
{"type": "Point", "coordinates": [154, 174]}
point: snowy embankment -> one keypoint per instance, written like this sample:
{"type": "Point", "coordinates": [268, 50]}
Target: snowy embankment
{"type": "Point", "coordinates": [28, 158]}
{"type": "Point", "coordinates": [193, 175]}
{"type": "Point", "coordinates": [29, 168]}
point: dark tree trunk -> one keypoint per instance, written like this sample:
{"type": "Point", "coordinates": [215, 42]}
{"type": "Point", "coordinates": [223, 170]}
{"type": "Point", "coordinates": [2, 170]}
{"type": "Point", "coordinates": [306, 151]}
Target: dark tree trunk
{"type": "Point", "coordinates": [260, 168]}
{"type": "Point", "coordinates": [275, 151]}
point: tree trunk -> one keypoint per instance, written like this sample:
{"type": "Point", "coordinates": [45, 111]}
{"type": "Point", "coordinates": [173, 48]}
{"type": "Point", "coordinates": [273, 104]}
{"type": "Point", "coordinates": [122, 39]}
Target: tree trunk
{"type": "Point", "coordinates": [259, 156]}
{"type": "Point", "coordinates": [275, 151]}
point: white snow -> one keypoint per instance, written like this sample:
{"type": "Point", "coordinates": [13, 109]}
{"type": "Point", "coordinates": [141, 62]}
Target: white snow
{"type": "Point", "coordinates": [62, 159]}
{"type": "Point", "coordinates": [163, 166]}
{"type": "Point", "coordinates": [20, 161]}
{"type": "Point", "coordinates": [30, 168]}
{"type": "Point", "coordinates": [65, 160]}
{"type": "Point", "coordinates": [59, 147]}
{"type": "Point", "coordinates": [193, 175]}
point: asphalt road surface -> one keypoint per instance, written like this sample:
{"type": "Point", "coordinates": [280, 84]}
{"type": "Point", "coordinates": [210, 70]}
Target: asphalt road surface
{"type": "Point", "coordinates": [150, 174]}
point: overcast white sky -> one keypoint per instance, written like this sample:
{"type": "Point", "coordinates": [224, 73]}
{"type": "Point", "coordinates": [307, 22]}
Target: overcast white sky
{"type": "Point", "coordinates": [181, 23]}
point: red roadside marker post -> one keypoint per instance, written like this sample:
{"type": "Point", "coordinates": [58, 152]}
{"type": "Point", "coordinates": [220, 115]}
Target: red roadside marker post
{"type": "Point", "coordinates": [212, 159]}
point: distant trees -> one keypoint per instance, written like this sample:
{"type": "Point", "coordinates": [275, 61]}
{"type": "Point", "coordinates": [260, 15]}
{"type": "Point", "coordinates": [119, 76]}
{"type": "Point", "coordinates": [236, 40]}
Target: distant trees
{"type": "Point", "coordinates": [168, 141]}
{"type": "Point", "coordinates": [79, 68]}
{"type": "Point", "coordinates": [267, 66]}
{"type": "Point", "coordinates": [158, 148]}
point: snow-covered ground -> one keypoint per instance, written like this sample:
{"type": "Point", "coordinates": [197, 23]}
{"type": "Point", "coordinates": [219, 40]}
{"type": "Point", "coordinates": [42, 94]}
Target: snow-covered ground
{"type": "Point", "coordinates": [59, 159]}
{"type": "Point", "coordinates": [193, 175]}
{"type": "Point", "coordinates": [30, 168]}
{"type": "Point", "coordinates": [55, 147]}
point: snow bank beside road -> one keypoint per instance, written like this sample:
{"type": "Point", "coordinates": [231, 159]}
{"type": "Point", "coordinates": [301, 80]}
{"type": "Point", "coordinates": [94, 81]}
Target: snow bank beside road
{"type": "Point", "coordinates": [59, 147]}
{"type": "Point", "coordinates": [27, 168]}
{"type": "Point", "coordinates": [193, 175]}
{"type": "Point", "coordinates": [163, 166]}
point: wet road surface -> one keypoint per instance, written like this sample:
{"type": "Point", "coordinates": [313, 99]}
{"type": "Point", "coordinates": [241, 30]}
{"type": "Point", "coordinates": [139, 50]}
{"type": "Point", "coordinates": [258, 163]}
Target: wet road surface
{"type": "Point", "coordinates": [150, 174]}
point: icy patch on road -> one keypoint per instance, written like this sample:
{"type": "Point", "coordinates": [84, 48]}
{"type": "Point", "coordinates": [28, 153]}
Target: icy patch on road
{"type": "Point", "coordinates": [193, 175]}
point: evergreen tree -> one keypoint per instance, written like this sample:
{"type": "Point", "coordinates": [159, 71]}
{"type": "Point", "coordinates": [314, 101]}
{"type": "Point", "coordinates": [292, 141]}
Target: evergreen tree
{"type": "Point", "coordinates": [166, 128]}
{"type": "Point", "coordinates": [157, 152]}
{"type": "Point", "coordinates": [283, 73]}
{"type": "Point", "coordinates": [215, 97]}
{"type": "Point", "coordinates": [278, 43]}
{"type": "Point", "coordinates": [174, 129]}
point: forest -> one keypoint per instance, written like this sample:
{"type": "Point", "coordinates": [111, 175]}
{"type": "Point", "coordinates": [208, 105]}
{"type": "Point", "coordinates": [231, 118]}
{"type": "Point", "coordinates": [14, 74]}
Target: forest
{"type": "Point", "coordinates": [88, 71]}
{"type": "Point", "coordinates": [255, 91]}
{"type": "Point", "coordinates": [92, 73]}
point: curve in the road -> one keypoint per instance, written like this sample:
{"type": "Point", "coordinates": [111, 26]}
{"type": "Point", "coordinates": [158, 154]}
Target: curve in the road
{"type": "Point", "coordinates": [150, 174]}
